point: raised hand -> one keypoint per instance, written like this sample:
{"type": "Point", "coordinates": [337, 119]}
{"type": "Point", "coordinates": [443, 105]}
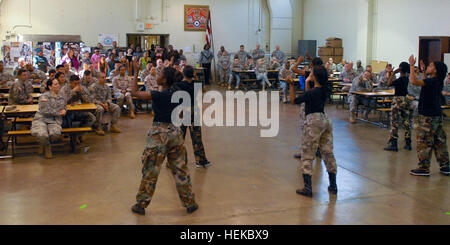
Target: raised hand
{"type": "Point", "coordinates": [412, 60]}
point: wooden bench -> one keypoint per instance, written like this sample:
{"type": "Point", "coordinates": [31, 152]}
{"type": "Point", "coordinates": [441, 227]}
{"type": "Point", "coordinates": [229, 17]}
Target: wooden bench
{"type": "Point", "coordinates": [72, 132]}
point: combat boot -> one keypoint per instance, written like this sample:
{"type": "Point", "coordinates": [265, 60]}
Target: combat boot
{"type": "Point", "coordinates": [333, 186]}
{"type": "Point", "coordinates": [408, 144]}
{"type": "Point", "coordinates": [132, 115]}
{"type": "Point", "coordinates": [114, 129]}
{"type": "Point", "coordinates": [352, 117]}
{"type": "Point", "coordinates": [48, 152]}
{"type": "Point", "coordinates": [392, 145]}
{"type": "Point", "coordinates": [307, 190]}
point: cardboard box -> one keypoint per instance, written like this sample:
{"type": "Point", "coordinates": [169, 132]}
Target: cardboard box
{"type": "Point", "coordinates": [338, 51]}
{"type": "Point", "coordinates": [334, 42]}
{"type": "Point", "coordinates": [325, 51]}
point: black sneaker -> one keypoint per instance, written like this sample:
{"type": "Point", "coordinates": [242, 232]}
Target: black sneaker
{"type": "Point", "coordinates": [420, 172]}
{"type": "Point", "coordinates": [445, 171]}
{"type": "Point", "coordinates": [203, 164]}
{"type": "Point", "coordinates": [192, 208]}
{"type": "Point", "coordinates": [138, 209]}
{"type": "Point", "coordinates": [298, 156]}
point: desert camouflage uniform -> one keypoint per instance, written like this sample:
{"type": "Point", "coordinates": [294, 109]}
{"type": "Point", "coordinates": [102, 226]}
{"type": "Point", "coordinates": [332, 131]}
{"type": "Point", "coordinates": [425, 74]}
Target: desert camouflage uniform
{"type": "Point", "coordinates": [46, 125]}
{"type": "Point", "coordinates": [401, 107]}
{"type": "Point", "coordinates": [101, 94]}
{"type": "Point", "coordinates": [318, 133]}
{"type": "Point", "coordinates": [87, 84]}
{"type": "Point", "coordinates": [123, 83]}
{"type": "Point", "coordinates": [362, 86]}
{"type": "Point", "coordinates": [431, 135]}
{"type": "Point", "coordinates": [86, 119]}
{"type": "Point", "coordinates": [165, 141]}
{"type": "Point", "coordinates": [150, 83]}
{"type": "Point", "coordinates": [20, 92]}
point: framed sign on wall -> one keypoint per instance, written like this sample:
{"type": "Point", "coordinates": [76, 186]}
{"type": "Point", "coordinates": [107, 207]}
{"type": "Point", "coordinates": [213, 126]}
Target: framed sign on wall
{"type": "Point", "coordinates": [195, 17]}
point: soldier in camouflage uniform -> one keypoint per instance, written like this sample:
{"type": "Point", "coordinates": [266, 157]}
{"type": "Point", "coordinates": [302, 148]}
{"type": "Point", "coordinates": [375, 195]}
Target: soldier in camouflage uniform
{"type": "Point", "coordinates": [317, 130]}
{"type": "Point", "coordinates": [235, 67]}
{"type": "Point", "coordinates": [101, 96]}
{"type": "Point", "coordinates": [35, 75]}
{"type": "Point", "coordinates": [242, 55]}
{"type": "Point", "coordinates": [430, 131]}
{"type": "Point", "coordinates": [224, 68]}
{"type": "Point", "coordinates": [286, 73]}
{"type": "Point", "coordinates": [150, 81]}
{"type": "Point", "coordinates": [273, 65]}
{"type": "Point", "coordinates": [279, 55]}
{"type": "Point", "coordinates": [401, 107]}
{"type": "Point", "coordinates": [122, 90]}
{"type": "Point", "coordinates": [21, 89]}
{"type": "Point", "coordinates": [383, 78]}
{"type": "Point", "coordinates": [261, 74]}
{"type": "Point", "coordinates": [88, 79]}
{"type": "Point", "coordinates": [147, 71]}
{"type": "Point", "coordinates": [258, 53]}
{"type": "Point", "coordinates": [46, 125]}
{"type": "Point", "coordinates": [347, 76]}
{"type": "Point", "coordinates": [219, 55]}
{"type": "Point", "coordinates": [75, 93]}
{"type": "Point", "coordinates": [164, 140]}
{"type": "Point", "coordinates": [6, 79]}
{"type": "Point", "coordinates": [68, 73]}
{"type": "Point", "coordinates": [361, 84]}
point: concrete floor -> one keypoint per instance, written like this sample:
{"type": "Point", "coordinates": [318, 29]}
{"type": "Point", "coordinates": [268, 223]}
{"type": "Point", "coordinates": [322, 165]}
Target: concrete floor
{"type": "Point", "coordinates": [253, 181]}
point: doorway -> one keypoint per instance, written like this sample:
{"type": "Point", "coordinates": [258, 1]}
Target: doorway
{"type": "Point", "coordinates": [145, 41]}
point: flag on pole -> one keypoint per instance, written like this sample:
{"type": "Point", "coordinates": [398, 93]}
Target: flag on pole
{"type": "Point", "coordinates": [208, 30]}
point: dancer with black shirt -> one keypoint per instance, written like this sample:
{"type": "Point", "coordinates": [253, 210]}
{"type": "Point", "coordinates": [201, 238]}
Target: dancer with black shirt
{"type": "Point", "coordinates": [164, 140]}
{"type": "Point", "coordinates": [318, 130]}
{"type": "Point", "coordinates": [430, 131]}
{"type": "Point", "coordinates": [401, 107]}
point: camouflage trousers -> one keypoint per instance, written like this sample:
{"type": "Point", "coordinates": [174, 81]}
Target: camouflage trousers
{"type": "Point", "coordinates": [114, 110]}
{"type": "Point", "coordinates": [127, 99]}
{"type": "Point", "coordinates": [197, 143]}
{"type": "Point", "coordinates": [355, 100]}
{"type": "Point", "coordinates": [431, 136]}
{"type": "Point", "coordinates": [302, 121]}
{"type": "Point", "coordinates": [318, 132]}
{"type": "Point", "coordinates": [165, 141]}
{"type": "Point", "coordinates": [401, 113]}
{"type": "Point", "coordinates": [46, 130]}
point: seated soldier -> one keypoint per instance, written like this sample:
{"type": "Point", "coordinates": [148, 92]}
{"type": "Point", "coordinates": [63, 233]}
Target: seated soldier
{"type": "Point", "coordinates": [361, 84]}
{"type": "Point", "coordinates": [249, 65]}
{"type": "Point", "coordinates": [384, 77]}
{"type": "Point", "coordinates": [75, 93]}
{"type": "Point", "coordinates": [51, 76]}
{"type": "Point", "coordinates": [115, 72]}
{"type": "Point", "coordinates": [122, 90]}
{"type": "Point", "coordinates": [150, 81]}
{"type": "Point", "coordinates": [261, 74]}
{"type": "Point", "coordinates": [101, 96]}
{"type": "Point", "coordinates": [286, 74]}
{"type": "Point", "coordinates": [88, 80]}
{"type": "Point", "coordinates": [273, 65]}
{"type": "Point", "coordinates": [68, 73]}
{"type": "Point", "coordinates": [347, 76]}
{"type": "Point", "coordinates": [359, 68]}
{"type": "Point", "coordinates": [21, 89]}
{"type": "Point", "coordinates": [235, 74]}
{"type": "Point", "coordinates": [6, 78]}
{"type": "Point", "coordinates": [34, 75]}
{"type": "Point", "coordinates": [146, 71]}
{"type": "Point", "coordinates": [341, 66]}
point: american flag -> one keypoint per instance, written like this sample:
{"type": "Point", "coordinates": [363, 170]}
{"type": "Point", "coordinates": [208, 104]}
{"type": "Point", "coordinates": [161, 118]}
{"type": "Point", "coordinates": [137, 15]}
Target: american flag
{"type": "Point", "coordinates": [208, 30]}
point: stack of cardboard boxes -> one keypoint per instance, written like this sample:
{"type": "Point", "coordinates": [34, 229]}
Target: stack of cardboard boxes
{"type": "Point", "coordinates": [333, 50]}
